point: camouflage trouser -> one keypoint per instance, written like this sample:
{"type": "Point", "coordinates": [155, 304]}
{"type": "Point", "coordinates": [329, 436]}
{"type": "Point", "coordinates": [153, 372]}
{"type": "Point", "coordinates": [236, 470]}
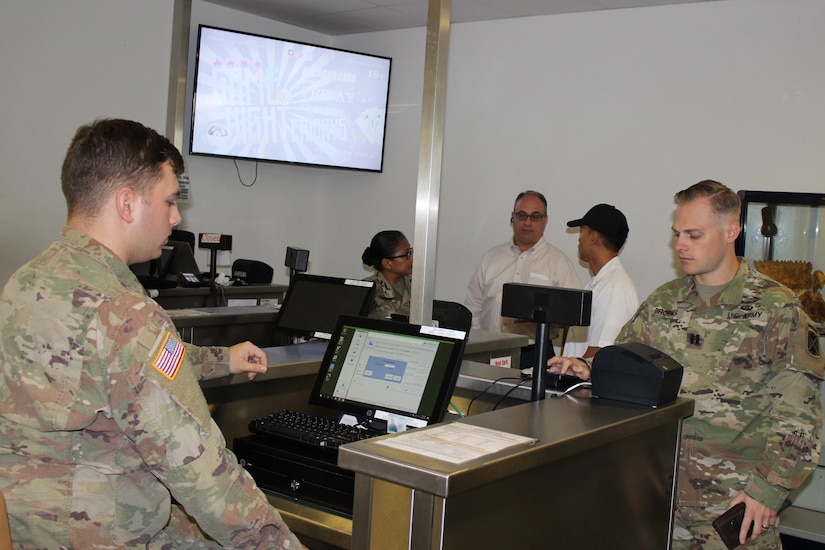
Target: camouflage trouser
{"type": "Point", "coordinates": [693, 530]}
{"type": "Point", "coordinates": [182, 533]}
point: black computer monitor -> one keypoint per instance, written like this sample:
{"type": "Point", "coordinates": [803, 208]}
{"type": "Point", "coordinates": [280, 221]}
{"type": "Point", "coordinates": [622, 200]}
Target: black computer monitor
{"type": "Point", "coordinates": [183, 261]}
{"type": "Point", "coordinates": [388, 372]}
{"type": "Point", "coordinates": [313, 304]}
{"type": "Point", "coordinates": [152, 274]}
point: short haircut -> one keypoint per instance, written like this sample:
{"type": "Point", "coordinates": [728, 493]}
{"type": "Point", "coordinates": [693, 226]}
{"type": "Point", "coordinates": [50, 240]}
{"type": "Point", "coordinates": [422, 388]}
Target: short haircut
{"type": "Point", "coordinates": [613, 244]}
{"type": "Point", "coordinates": [109, 153]}
{"type": "Point", "coordinates": [724, 202]}
{"type": "Point", "coordinates": [531, 193]}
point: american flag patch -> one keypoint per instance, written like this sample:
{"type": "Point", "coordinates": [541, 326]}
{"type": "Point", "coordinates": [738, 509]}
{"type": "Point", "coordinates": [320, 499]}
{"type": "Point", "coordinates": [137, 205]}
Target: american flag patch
{"type": "Point", "coordinates": [170, 356]}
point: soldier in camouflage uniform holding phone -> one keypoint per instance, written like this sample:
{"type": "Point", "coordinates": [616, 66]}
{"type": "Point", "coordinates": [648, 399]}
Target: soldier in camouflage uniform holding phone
{"type": "Point", "coordinates": [102, 420]}
{"type": "Point", "coordinates": [752, 364]}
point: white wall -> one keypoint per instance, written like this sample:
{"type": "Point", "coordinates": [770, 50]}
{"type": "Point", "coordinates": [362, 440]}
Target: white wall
{"type": "Point", "coordinates": [64, 64]}
{"type": "Point", "coordinates": [627, 107]}
{"type": "Point", "coordinates": [622, 106]}
{"type": "Point", "coordinates": [333, 213]}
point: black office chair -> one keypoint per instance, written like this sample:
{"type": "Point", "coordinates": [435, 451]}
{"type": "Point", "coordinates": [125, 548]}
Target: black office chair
{"type": "Point", "coordinates": [452, 315]}
{"type": "Point", "coordinates": [447, 314]}
{"type": "Point", "coordinates": [183, 236]}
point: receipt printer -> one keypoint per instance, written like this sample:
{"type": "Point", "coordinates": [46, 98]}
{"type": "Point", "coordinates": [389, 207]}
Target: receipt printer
{"type": "Point", "coordinates": [635, 373]}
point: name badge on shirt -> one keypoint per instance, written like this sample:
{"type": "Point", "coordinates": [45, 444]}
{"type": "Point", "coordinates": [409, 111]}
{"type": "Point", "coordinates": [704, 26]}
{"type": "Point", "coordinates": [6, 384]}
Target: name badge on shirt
{"type": "Point", "coordinates": [539, 276]}
{"type": "Point", "coordinates": [170, 356]}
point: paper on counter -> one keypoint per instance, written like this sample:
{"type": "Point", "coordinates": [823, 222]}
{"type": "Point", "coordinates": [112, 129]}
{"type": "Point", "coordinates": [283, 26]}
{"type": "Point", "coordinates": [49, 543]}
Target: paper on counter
{"type": "Point", "coordinates": [455, 442]}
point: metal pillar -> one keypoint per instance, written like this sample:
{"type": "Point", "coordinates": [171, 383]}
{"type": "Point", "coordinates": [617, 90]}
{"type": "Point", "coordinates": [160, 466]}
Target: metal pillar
{"type": "Point", "coordinates": [176, 101]}
{"type": "Point", "coordinates": [429, 162]}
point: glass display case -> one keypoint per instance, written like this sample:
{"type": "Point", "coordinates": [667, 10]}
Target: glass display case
{"type": "Point", "coordinates": [781, 237]}
{"type": "Point", "coordinates": [782, 226]}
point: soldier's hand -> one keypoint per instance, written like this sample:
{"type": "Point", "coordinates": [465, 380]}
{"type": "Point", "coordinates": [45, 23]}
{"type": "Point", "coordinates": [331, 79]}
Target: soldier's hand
{"type": "Point", "coordinates": [247, 357]}
{"type": "Point", "coordinates": [569, 365]}
{"type": "Point", "coordinates": [758, 517]}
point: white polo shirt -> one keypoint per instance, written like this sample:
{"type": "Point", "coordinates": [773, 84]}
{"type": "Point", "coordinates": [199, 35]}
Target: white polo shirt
{"type": "Point", "coordinates": [614, 303]}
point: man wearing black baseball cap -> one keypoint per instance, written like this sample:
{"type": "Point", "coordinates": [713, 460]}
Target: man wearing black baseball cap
{"type": "Point", "coordinates": [603, 233]}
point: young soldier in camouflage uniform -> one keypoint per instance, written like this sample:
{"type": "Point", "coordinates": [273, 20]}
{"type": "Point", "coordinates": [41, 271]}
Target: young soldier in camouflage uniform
{"type": "Point", "coordinates": [102, 421]}
{"type": "Point", "coordinates": [753, 365]}
{"type": "Point", "coordinates": [391, 255]}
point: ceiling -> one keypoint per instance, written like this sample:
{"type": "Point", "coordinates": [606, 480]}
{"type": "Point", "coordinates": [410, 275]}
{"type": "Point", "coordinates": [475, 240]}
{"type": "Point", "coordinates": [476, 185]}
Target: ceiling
{"type": "Point", "coordinates": [334, 17]}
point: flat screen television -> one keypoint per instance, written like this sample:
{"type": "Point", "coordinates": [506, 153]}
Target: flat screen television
{"type": "Point", "coordinates": [266, 99]}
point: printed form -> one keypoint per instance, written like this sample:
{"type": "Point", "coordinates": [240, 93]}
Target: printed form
{"type": "Point", "coordinates": [456, 442]}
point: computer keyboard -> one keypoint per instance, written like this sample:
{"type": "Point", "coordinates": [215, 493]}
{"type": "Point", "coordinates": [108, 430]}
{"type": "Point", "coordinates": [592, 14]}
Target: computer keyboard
{"type": "Point", "coordinates": [309, 429]}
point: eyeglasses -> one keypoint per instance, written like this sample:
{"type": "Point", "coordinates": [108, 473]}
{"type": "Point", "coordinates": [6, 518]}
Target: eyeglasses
{"type": "Point", "coordinates": [407, 254]}
{"type": "Point", "coordinates": [534, 217]}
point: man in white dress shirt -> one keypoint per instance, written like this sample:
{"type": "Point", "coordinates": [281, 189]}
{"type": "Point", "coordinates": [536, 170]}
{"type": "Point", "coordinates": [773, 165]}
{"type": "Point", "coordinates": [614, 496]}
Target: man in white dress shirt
{"type": "Point", "coordinates": [603, 233]}
{"type": "Point", "coordinates": [526, 258]}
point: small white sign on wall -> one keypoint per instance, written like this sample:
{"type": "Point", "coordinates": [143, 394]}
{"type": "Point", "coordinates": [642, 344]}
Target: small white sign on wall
{"type": "Point", "coordinates": [183, 181]}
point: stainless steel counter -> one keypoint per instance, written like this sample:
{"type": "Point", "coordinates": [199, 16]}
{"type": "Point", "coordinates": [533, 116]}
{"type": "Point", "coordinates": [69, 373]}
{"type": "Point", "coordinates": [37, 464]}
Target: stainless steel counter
{"type": "Point", "coordinates": [593, 459]}
{"type": "Point", "coordinates": [183, 297]}
{"type": "Point", "coordinates": [225, 326]}
{"type": "Point", "coordinates": [570, 430]}
{"type": "Point", "coordinates": [234, 401]}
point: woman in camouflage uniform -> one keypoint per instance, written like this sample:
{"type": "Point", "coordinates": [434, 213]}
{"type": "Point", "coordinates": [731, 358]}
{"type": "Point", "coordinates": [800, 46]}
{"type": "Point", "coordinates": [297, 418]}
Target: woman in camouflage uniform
{"type": "Point", "coordinates": [390, 254]}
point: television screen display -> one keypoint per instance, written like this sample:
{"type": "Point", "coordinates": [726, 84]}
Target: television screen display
{"type": "Point", "coordinates": [267, 99]}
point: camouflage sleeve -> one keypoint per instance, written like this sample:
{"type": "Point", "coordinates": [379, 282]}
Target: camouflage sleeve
{"type": "Point", "coordinates": [380, 308]}
{"type": "Point", "coordinates": [157, 402]}
{"type": "Point", "coordinates": [793, 444]}
{"type": "Point", "coordinates": [210, 362]}
{"type": "Point", "coordinates": [384, 301]}
{"type": "Point", "coordinates": [636, 329]}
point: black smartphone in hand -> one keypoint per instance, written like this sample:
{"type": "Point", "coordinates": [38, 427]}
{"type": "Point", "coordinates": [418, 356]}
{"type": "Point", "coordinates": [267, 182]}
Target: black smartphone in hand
{"type": "Point", "coordinates": [729, 524]}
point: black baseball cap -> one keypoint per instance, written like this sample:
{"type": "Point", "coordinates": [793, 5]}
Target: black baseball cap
{"type": "Point", "coordinates": [607, 220]}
